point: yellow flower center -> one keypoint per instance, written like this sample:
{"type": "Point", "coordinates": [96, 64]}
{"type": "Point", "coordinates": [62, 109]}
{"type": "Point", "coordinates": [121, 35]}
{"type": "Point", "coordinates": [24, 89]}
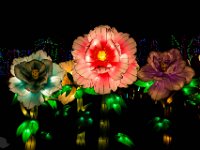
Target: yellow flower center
{"type": "Point", "coordinates": [35, 74]}
{"type": "Point", "coordinates": [101, 55]}
{"type": "Point", "coordinates": [164, 66]}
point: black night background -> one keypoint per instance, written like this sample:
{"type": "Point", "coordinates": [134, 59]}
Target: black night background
{"type": "Point", "coordinates": [24, 30]}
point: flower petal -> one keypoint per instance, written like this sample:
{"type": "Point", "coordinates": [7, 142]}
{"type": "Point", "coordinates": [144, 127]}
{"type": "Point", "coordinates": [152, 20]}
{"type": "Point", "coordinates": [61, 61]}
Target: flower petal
{"type": "Point", "coordinates": [176, 67]}
{"type": "Point", "coordinates": [102, 85]}
{"type": "Point", "coordinates": [58, 71]}
{"type": "Point", "coordinates": [54, 84]}
{"type": "Point", "coordinates": [39, 55]}
{"type": "Point", "coordinates": [130, 75]}
{"type": "Point", "coordinates": [30, 100]}
{"type": "Point", "coordinates": [23, 71]}
{"type": "Point", "coordinates": [147, 73]}
{"type": "Point", "coordinates": [79, 47]}
{"type": "Point", "coordinates": [119, 68]}
{"type": "Point", "coordinates": [175, 82]}
{"type": "Point", "coordinates": [48, 67]}
{"type": "Point", "coordinates": [67, 66]}
{"type": "Point", "coordinates": [80, 80]}
{"type": "Point", "coordinates": [84, 70]}
{"type": "Point", "coordinates": [188, 73]}
{"type": "Point", "coordinates": [114, 84]}
{"type": "Point", "coordinates": [17, 86]}
{"type": "Point", "coordinates": [158, 91]}
{"type": "Point", "coordinates": [15, 62]}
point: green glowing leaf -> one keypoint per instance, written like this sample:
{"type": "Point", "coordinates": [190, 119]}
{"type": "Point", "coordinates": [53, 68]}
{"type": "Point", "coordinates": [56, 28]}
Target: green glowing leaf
{"type": "Point", "coordinates": [15, 99]}
{"type": "Point", "coordinates": [46, 135]}
{"type": "Point", "coordinates": [79, 93]}
{"type": "Point", "coordinates": [156, 119]}
{"type": "Point", "coordinates": [53, 104]}
{"type": "Point", "coordinates": [188, 90]}
{"type": "Point", "coordinates": [166, 123]}
{"type": "Point", "coordinates": [197, 97]}
{"type": "Point", "coordinates": [65, 110]}
{"type": "Point", "coordinates": [90, 91]}
{"type": "Point", "coordinates": [124, 139]}
{"type": "Point", "coordinates": [67, 89]}
{"type": "Point", "coordinates": [115, 102]}
{"type": "Point", "coordinates": [26, 135]}
{"type": "Point", "coordinates": [161, 124]}
{"type": "Point", "coordinates": [193, 83]}
{"type": "Point", "coordinates": [143, 83]}
{"type": "Point", "coordinates": [33, 126]}
{"type": "Point", "coordinates": [90, 121]}
{"type": "Point", "coordinates": [22, 127]}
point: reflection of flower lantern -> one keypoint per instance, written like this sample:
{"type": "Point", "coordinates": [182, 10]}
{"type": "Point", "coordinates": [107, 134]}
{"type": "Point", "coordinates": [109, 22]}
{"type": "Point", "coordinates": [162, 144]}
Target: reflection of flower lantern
{"type": "Point", "coordinates": [167, 139]}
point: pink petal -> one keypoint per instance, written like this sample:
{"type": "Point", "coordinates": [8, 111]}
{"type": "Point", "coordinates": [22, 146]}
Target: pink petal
{"type": "Point", "coordinates": [119, 68]}
{"type": "Point", "coordinates": [102, 85]}
{"type": "Point", "coordinates": [80, 80]}
{"type": "Point", "coordinates": [114, 84]}
{"type": "Point", "coordinates": [129, 47]}
{"type": "Point", "coordinates": [102, 32]}
{"type": "Point", "coordinates": [84, 70]}
{"type": "Point", "coordinates": [130, 75]}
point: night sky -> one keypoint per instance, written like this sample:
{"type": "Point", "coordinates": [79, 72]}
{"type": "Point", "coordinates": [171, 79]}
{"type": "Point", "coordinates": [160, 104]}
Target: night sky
{"type": "Point", "coordinates": [23, 24]}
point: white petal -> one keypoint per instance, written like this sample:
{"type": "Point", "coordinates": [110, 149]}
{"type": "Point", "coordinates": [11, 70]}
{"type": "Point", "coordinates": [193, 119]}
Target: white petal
{"type": "Point", "coordinates": [53, 85]}
{"type": "Point", "coordinates": [17, 86]}
{"type": "Point", "coordinates": [31, 100]}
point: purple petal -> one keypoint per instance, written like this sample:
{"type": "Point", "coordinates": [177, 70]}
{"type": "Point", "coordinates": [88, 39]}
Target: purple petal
{"type": "Point", "coordinates": [187, 73]}
{"type": "Point", "coordinates": [147, 73]}
{"type": "Point", "coordinates": [158, 91]}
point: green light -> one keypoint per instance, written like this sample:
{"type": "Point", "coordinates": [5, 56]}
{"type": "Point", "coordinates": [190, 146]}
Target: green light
{"type": "Point", "coordinates": [90, 121]}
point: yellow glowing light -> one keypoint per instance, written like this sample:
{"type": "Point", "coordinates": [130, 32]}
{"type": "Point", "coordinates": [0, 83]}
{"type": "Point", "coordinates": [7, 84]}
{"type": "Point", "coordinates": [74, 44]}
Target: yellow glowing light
{"type": "Point", "coordinates": [103, 142]}
{"type": "Point", "coordinates": [167, 139]}
{"type": "Point", "coordinates": [101, 55]}
{"type": "Point", "coordinates": [80, 139]}
{"type": "Point", "coordinates": [30, 144]}
{"type": "Point", "coordinates": [104, 124]}
{"type": "Point", "coordinates": [169, 100]}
